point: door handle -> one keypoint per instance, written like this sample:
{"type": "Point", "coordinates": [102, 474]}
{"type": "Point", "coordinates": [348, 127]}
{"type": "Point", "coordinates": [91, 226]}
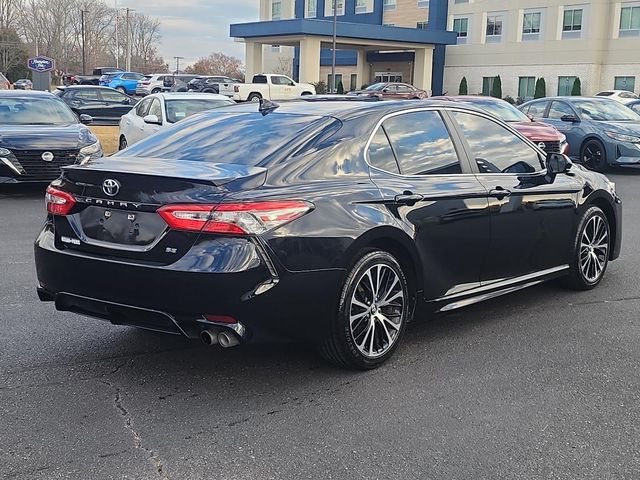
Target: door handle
{"type": "Point", "coordinates": [500, 193]}
{"type": "Point", "coordinates": [408, 198]}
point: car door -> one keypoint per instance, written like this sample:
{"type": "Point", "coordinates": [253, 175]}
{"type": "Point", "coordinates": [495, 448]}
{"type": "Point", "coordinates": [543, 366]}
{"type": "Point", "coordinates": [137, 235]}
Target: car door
{"type": "Point", "coordinates": [532, 216]}
{"type": "Point", "coordinates": [559, 115]}
{"type": "Point", "coordinates": [86, 101]}
{"type": "Point", "coordinates": [427, 184]}
{"type": "Point", "coordinates": [116, 103]}
{"type": "Point", "coordinates": [133, 125]}
{"type": "Point", "coordinates": [285, 87]}
{"type": "Point", "coordinates": [155, 108]}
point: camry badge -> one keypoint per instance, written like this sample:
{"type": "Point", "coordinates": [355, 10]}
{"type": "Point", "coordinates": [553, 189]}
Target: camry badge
{"type": "Point", "coordinates": [47, 156]}
{"type": "Point", "coordinates": [111, 187]}
{"type": "Point", "coordinates": [542, 145]}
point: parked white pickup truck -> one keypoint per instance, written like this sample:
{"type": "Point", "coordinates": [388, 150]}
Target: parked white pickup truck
{"type": "Point", "coordinates": [270, 87]}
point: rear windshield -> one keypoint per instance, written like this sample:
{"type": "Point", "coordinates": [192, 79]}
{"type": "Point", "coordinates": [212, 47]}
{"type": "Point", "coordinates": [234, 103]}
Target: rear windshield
{"type": "Point", "coordinates": [245, 138]}
{"type": "Point", "coordinates": [604, 94]}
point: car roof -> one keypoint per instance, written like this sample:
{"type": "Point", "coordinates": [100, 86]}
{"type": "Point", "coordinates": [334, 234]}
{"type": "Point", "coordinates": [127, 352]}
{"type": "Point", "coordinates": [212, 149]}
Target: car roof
{"type": "Point", "coordinates": [83, 87]}
{"type": "Point", "coordinates": [468, 98]}
{"type": "Point", "coordinates": [26, 93]}
{"type": "Point", "coordinates": [572, 99]}
{"type": "Point", "coordinates": [189, 96]}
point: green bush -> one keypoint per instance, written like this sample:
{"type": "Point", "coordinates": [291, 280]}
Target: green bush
{"type": "Point", "coordinates": [321, 87]}
{"type": "Point", "coordinates": [463, 89]}
{"type": "Point", "coordinates": [496, 89]}
{"type": "Point", "coordinates": [541, 88]}
{"type": "Point", "coordinates": [340, 88]}
{"type": "Point", "coordinates": [509, 99]}
{"type": "Point", "coordinates": [576, 90]}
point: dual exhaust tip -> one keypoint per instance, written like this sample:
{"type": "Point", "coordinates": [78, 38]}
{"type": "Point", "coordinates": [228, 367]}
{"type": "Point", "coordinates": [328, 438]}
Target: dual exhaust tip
{"type": "Point", "coordinates": [224, 338]}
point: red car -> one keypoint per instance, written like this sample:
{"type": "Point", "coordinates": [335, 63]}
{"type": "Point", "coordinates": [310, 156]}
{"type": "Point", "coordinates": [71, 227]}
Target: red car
{"type": "Point", "coordinates": [545, 136]}
{"type": "Point", "coordinates": [391, 90]}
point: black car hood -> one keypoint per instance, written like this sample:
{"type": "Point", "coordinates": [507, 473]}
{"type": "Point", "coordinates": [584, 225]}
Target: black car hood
{"type": "Point", "coordinates": [49, 137]}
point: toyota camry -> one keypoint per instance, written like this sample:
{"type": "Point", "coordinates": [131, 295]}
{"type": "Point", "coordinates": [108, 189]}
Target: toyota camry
{"type": "Point", "coordinates": [329, 222]}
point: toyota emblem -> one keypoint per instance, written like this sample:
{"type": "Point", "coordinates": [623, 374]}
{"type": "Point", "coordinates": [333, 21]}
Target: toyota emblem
{"type": "Point", "coordinates": [47, 157]}
{"type": "Point", "coordinates": [542, 145]}
{"type": "Point", "coordinates": [111, 187]}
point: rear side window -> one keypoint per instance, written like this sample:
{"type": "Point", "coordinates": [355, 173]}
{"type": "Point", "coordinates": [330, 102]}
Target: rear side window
{"type": "Point", "coordinates": [143, 107]}
{"type": "Point", "coordinates": [380, 153]}
{"type": "Point", "coordinates": [496, 149]}
{"type": "Point", "coordinates": [259, 79]}
{"type": "Point", "coordinates": [421, 143]}
{"type": "Point", "coordinates": [559, 110]}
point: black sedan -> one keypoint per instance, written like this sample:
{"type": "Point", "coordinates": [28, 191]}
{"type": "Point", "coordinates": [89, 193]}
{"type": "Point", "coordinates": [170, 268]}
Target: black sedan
{"type": "Point", "coordinates": [326, 221]}
{"type": "Point", "coordinates": [39, 135]}
{"type": "Point", "coordinates": [104, 104]}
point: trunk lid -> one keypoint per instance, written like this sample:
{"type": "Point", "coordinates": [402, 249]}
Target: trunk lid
{"type": "Point", "coordinates": [118, 198]}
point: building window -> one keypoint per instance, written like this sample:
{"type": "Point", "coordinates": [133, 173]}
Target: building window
{"type": "Point", "coordinates": [526, 87]}
{"type": "Point", "coordinates": [387, 77]}
{"type": "Point", "coordinates": [625, 83]}
{"type": "Point", "coordinates": [422, 25]}
{"type": "Point", "coordinates": [487, 85]}
{"type": "Point", "coordinates": [461, 27]}
{"type": "Point", "coordinates": [423, 3]}
{"type": "Point", "coordinates": [311, 7]}
{"type": "Point", "coordinates": [565, 84]}
{"type": "Point", "coordinates": [494, 28]}
{"type": "Point", "coordinates": [531, 26]}
{"type": "Point", "coordinates": [361, 6]}
{"type": "Point", "coordinates": [572, 24]}
{"type": "Point", "coordinates": [275, 48]}
{"type": "Point", "coordinates": [388, 4]}
{"type": "Point", "coordinates": [328, 7]}
{"type": "Point", "coordinates": [338, 80]}
{"type": "Point", "coordinates": [353, 82]}
{"type": "Point", "coordinates": [388, 24]}
{"type": "Point", "coordinates": [276, 9]}
{"type": "Point", "coordinates": [630, 21]}
{"type": "Point", "coordinates": [461, 1]}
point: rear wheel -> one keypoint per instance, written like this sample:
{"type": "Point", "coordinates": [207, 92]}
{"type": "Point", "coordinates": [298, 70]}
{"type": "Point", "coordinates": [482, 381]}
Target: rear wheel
{"type": "Point", "coordinates": [122, 144]}
{"type": "Point", "coordinates": [372, 313]}
{"type": "Point", "coordinates": [254, 97]}
{"type": "Point", "coordinates": [156, 90]}
{"type": "Point", "coordinates": [590, 251]}
{"type": "Point", "coordinates": [121, 90]}
{"type": "Point", "coordinates": [594, 156]}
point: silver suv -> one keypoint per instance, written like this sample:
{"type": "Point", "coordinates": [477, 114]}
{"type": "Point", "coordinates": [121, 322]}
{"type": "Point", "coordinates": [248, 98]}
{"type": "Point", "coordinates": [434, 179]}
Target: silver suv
{"type": "Point", "coordinates": [150, 84]}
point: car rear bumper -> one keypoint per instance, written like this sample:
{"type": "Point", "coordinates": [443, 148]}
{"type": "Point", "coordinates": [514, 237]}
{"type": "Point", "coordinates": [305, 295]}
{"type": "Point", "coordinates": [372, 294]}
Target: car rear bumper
{"type": "Point", "coordinates": [177, 298]}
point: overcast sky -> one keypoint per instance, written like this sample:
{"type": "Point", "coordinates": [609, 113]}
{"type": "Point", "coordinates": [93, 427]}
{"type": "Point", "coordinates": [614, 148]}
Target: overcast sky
{"type": "Point", "coordinates": [196, 28]}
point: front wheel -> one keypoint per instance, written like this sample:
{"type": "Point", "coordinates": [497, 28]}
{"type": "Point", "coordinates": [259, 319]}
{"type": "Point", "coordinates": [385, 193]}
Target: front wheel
{"type": "Point", "coordinates": [254, 97]}
{"type": "Point", "coordinates": [373, 311]}
{"type": "Point", "coordinates": [594, 156]}
{"type": "Point", "coordinates": [591, 248]}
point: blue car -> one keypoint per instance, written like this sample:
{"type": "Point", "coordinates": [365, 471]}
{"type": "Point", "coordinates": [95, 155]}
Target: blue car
{"type": "Point", "coordinates": [635, 106]}
{"type": "Point", "coordinates": [125, 82]}
{"type": "Point", "coordinates": [601, 132]}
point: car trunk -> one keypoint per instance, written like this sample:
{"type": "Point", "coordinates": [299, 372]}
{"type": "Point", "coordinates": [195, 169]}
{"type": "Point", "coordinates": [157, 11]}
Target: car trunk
{"type": "Point", "coordinates": [118, 199]}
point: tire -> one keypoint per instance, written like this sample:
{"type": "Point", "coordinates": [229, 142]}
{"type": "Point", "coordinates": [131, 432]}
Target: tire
{"type": "Point", "coordinates": [254, 97]}
{"type": "Point", "coordinates": [588, 264]}
{"type": "Point", "coordinates": [122, 144]}
{"type": "Point", "coordinates": [593, 155]}
{"type": "Point", "coordinates": [306, 93]}
{"type": "Point", "coordinates": [364, 333]}
{"type": "Point", "coordinates": [121, 90]}
{"type": "Point", "coordinates": [156, 90]}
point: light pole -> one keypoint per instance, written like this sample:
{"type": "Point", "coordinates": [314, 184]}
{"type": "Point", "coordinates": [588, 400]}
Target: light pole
{"type": "Point", "coordinates": [115, 4]}
{"type": "Point", "coordinates": [333, 50]}
{"type": "Point", "coordinates": [178, 64]}
{"type": "Point", "coordinates": [128, 59]}
{"type": "Point", "coordinates": [84, 56]}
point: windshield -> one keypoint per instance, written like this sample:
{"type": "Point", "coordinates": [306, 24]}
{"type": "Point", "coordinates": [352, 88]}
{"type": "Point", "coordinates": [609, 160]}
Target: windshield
{"type": "Point", "coordinates": [179, 109]}
{"type": "Point", "coordinates": [245, 138]}
{"type": "Point", "coordinates": [503, 110]}
{"type": "Point", "coordinates": [35, 111]}
{"type": "Point", "coordinates": [609, 110]}
{"type": "Point", "coordinates": [376, 86]}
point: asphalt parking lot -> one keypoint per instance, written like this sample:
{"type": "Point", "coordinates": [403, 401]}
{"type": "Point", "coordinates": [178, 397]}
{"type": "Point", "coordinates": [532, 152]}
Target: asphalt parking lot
{"type": "Point", "coordinates": [543, 384]}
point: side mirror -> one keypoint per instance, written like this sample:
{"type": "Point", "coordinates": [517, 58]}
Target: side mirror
{"type": "Point", "coordinates": [570, 118]}
{"type": "Point", "coordinates": [86, 119]}
{"type": "Point", "coordinates": [152, 120]}
{"type": "Point", "coordinates": [292, 84]}
{"type": "Point", "coordinates": [557, 163]}
{"type": "Point", "coordinates": [126, 101]}
{"type": "Point", "coordinates": [386, 90]}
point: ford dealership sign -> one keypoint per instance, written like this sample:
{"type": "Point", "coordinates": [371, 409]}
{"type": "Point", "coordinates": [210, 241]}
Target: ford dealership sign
{"type": "Point", "coordinates": [41, 64]}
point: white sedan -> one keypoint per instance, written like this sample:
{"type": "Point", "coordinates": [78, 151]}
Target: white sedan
{"type": "Point", "coordinates": [622, 96]}
{"type": "Point", "coordinates": [161, 110]}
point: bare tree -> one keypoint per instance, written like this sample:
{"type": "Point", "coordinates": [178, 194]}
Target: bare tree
{"type": "Point", "coordinates": [218, 64]}
{"type": "Point", "coordinates": [10, 11]}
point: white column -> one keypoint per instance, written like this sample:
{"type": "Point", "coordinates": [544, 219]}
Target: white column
{"type": "Point", "coordinates": [309, 60]}
{"type": "Point", "coordinates": [362, 69]}
{"type": "Point", "coordinates": [253, 56]}
{"type": "Point", "coordinates": [423, 68]}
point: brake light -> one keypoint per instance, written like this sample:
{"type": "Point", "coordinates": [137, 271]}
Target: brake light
{"type": "Point", "coordinates": [58, 202]}
{"type": "Point", "coordinates": [249, 218]}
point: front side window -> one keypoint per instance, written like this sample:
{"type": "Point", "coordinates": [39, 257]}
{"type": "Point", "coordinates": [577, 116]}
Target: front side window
{"type": "Point", "coordinates": [625, 83]}
{"type": "Point", "coordinates": [496, 149]}
{"type": "Point", "coordinates": [86, 95]}
{"type": "Point", "coordinates": [605, 111]}
{"type": "Point", "coordinates": [461, 27]}
{"type": "Point", "coordinates": [155, 108]}
{"type": "Point", "coordinates": [557, 110]}
{"type": "Point", "coordinates": [181, 109]}
{"type": "Point", "coordinates": [630, 21]}
{"type": "Point", "coordinates": [422, 144]}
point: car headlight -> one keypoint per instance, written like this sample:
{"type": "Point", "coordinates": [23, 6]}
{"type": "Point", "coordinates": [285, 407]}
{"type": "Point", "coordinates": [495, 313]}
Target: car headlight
{"type": "Point", "coordinates": [623, 138]}
{"type": "Point", "coordinates": [90, 152]}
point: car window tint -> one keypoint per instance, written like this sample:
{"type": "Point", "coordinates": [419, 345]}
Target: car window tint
{"type": "Point", "coordinates": [155, 108]}
{"type": "Point", "coordinates": [536, 110]}
{"type": "Point", "coordinates": [259, 79]}
{"type": "Point", "coordinates": [86, 94]}
{"type": "Point", "coordinates": [559, 110]}
{"type": "Point", "coordinates": [380, 153]}
{"type": "Point", "coordinates": [422, 144]}
{"type": "Point", "coordinates": [143, 107]}
{"type": "Point", "coordinates": [496, 149]}
{"type": "Point", "coordinates": [112, 96]}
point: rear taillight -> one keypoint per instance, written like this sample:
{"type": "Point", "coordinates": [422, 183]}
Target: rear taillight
{"type": "Point", "coordinates": [58, 202]}
{"type": "Point", "coordinates": [234, 218]}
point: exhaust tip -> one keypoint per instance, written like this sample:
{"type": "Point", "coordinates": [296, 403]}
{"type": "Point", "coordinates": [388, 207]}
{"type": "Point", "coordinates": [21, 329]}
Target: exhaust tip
{"type": "Point", "coordinates": [209, 337]}
{"type": "Point", "coordinates": [228, 339]}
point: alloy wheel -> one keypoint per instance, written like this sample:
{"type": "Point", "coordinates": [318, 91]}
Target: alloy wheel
{"type": "Point", "coordinates": [594, 249]}
{"type": "Point", "coordinates": [593, 156]}
{"type": "Point", "coordinates": [376, 311]}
